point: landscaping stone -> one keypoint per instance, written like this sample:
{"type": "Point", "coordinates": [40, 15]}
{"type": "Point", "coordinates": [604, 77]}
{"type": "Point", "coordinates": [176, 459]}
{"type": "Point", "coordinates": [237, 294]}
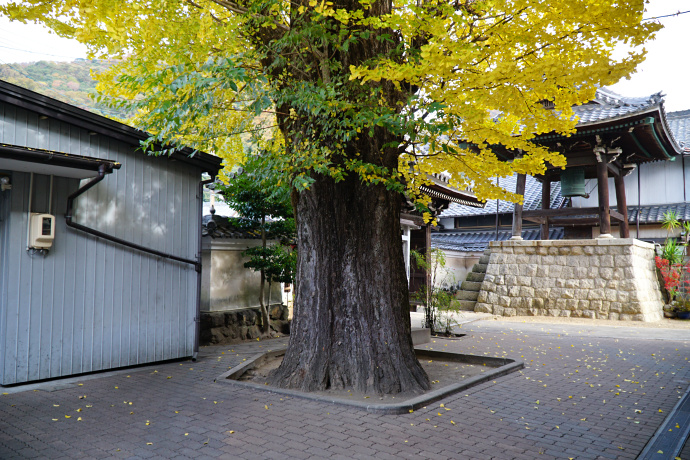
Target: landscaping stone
{"type": "Point", "coordinates": [470, 285]}
{"type": "Point", "coordinates": [478, 277]}
{"type": "Point", "coordinates": [221, 327]}
{"type": "Point", "coordinates": [464, 305]}
{"type": "Point", "coordinates": [605, 279]}
{"type": "Point", "coordinates": [456, 372]}
{"type": "Point", "coordinates": [467, 295]}
{"type": "Point", "coordinates": [479, 268]}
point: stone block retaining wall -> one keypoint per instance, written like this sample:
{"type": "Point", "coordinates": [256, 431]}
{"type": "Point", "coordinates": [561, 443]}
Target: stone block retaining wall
{"type": "Point", "coordinates": [221, 327]}
{"type": "Point", "coordinates": [602, 278]}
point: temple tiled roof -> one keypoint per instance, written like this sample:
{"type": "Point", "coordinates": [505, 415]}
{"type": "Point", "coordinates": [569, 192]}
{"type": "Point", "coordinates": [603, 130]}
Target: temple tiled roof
{"type": "Point", "coordinates": [608, 104]}
{"type": "Point", "coordinates": [532, 199]}
{"type": "Point", "coordinates": [679, 122]}
{"type": "Point", "coordinates": [477, 241]}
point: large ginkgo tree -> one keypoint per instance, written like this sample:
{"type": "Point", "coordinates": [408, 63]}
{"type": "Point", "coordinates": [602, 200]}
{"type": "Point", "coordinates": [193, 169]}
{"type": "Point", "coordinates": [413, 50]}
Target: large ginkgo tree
{"type": "Point", "coordinates": [361, 99]}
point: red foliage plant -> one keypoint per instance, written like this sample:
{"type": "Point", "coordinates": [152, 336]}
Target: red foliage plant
{"type": "Point", "coordinates": [674, 276]}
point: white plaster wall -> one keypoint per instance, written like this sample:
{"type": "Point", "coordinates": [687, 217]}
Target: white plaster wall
{"type": "Point", "coordinates": [661, 182]}
{"type": "Point", "coordinates": [459, 264]}
{"type": "Point", "coordinates": [646, 231]}
{"type": "Point", "coordinates": [226, 283]}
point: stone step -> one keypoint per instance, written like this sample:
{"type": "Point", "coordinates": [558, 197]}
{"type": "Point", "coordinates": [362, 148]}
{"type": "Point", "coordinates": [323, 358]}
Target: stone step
{"type": "Point", "coordinates": [479, 268]}
{"type": "Point", "coordinates": [472, 276]}
{"type": "Point", "coordinates": [471, 286]}
{"type": "Point", "coordinates": [420, 335]}
{"type": "Point", "coordinates": [467, 295]}
{"type": "Point", "coordinates": [464, 305]}
{"type": "Point", "coordinates": [487, 252]}
{"type": "Point", "coordinates": [484, 259]}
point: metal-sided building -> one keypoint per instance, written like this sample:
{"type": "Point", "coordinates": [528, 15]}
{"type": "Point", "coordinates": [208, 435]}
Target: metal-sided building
{"type": "Point", "coordinates": [99, 242]}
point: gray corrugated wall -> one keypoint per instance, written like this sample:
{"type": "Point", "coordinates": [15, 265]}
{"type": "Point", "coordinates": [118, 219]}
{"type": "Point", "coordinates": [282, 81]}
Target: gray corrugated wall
{"type": "Point", "coordinates": [89, 304]}
{"type": "Point", "coordinates": [4, 268]}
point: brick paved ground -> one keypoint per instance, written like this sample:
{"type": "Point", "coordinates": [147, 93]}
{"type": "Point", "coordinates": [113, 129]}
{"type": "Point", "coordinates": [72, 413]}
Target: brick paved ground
{"type": "Point", "coordinates": [580, 396]}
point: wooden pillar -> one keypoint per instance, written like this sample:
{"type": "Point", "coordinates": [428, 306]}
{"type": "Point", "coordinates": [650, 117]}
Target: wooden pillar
{"type": "Point", "coordinates": [622, 205]}
{"type": "Point", "coordinates": [545, 204]}
{"type": "Point", "coordinates": [516, 234]}
{"type": "Point", "coordinates": [603, 189]}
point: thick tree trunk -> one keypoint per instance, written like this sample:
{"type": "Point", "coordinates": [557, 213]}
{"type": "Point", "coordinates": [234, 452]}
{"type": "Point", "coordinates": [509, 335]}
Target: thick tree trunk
{"type": "Point", "coordinates": [351, 327]}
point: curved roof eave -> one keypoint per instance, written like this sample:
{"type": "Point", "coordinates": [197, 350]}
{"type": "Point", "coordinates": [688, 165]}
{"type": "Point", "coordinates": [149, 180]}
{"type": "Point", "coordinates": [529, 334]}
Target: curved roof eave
{"type": "Point", "coordinates": [660, 126]}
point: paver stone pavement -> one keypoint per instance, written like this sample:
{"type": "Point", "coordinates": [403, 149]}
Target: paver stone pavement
{"type": "Point", "coordinates": [581, 395]}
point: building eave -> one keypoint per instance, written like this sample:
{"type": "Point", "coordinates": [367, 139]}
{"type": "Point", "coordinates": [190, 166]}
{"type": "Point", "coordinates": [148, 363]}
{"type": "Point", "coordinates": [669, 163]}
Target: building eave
{"type": "Point", "coordinates": [16, 158]}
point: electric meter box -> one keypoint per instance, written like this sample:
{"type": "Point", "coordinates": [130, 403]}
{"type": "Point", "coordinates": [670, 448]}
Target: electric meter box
{"type": "Point", "coordinates": [41, 231]}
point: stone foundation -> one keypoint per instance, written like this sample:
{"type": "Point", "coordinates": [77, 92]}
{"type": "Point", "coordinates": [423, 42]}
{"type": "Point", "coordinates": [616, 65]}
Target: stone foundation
{"type": "Point", "coordinates": [221, 327]}
{"type": "Point", "coordinates": [603, 278]}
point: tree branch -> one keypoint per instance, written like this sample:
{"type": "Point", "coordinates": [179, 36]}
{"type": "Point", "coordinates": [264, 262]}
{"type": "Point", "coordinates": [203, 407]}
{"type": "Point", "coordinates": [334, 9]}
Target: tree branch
{"type": "Point", "coordinates": [196, 5]}
{"type": "Point", "coordinates": [235, 8]}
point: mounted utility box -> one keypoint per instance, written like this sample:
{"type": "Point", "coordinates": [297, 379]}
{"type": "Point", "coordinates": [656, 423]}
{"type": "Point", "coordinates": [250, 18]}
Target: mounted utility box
{"type": "Point", "coordinates": [41, 231]}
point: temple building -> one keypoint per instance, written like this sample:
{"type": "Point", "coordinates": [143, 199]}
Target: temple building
{"type": "Point", "coordinates": [631, 146]}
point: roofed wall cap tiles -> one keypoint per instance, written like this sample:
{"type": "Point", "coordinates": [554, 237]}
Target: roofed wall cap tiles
{"type": "Point", "coordinates": [654, 214]}
{"type": "Point", "coordinates": [477, 241]}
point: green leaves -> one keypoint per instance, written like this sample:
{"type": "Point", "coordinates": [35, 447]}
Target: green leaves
{"type": "Point", "coordinates": [178, 101]}
{"type": "Point", "coordinates": [278, 262]}
{"type": "Point", "coordinates": [255, 190]}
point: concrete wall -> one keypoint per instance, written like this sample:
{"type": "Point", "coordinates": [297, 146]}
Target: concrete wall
{"type": "Point", "coordinates": [603, 278]}
{"type": "Point", "coordinates": [226, 284]}
{"type": "Point", "coordinates": [459, 264]}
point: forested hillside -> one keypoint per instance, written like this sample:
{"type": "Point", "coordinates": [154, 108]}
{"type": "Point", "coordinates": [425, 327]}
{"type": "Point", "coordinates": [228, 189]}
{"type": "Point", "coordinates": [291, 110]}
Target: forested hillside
{"type": "Point", "coordinates": [68, 82]}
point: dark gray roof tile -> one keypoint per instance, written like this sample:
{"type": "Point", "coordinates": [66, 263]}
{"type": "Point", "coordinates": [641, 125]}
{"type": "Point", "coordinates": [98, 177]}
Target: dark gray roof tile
{"type": "Point", "coordinates": [532, 199]}
{"type": "Point", "coordinates": [654, 214]}
{"type": "Point", "coordinates": [608, 104]}
{"type": "Point", "coordinates": [229, 227]}
{"type": "Point", "coordinates": [679, 122]}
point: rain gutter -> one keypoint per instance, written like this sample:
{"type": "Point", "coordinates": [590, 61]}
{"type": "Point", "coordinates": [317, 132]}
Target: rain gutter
{"type": "Point", "coordinates": [102, 171]}
{"type": "Point", "coordinates": [107, 169]}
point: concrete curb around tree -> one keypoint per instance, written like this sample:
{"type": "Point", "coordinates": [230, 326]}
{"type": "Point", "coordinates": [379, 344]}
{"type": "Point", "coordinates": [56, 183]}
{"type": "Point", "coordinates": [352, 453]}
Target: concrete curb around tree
{"type": "Point", "coordinates": [504, 366]}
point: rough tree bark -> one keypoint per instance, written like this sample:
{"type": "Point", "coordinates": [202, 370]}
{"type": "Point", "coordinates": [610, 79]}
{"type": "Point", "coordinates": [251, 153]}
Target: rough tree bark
{"type": "Point", "coordinates": [351, 327]}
